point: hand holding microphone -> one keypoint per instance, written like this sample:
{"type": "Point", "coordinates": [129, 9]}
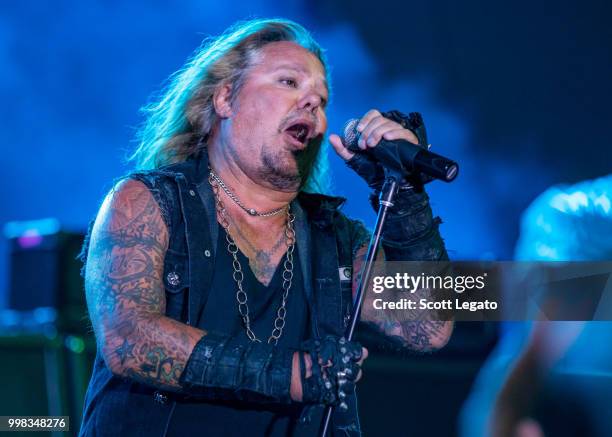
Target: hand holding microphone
{"type": "Point", "coordinates": [393, 141]}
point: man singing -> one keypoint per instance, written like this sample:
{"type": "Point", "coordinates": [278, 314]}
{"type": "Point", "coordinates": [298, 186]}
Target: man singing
{"type": "Point", "coordinates": [217, 283]}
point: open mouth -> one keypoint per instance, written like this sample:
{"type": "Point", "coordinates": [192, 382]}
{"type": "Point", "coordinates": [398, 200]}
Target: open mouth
{"type": "Point", "coordinates": [300, 132]}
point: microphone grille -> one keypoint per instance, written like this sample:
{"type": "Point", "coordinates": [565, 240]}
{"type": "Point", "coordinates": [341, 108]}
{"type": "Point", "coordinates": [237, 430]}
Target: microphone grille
{"type": "Point", "coordinates": [351, 135]}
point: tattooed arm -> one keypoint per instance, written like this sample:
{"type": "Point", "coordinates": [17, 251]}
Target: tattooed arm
{"type": "Point", "coordinates": [415, 330]}
{"type": "Point", "coordinates": [125, 291]}
{"type": "Point", "coordinates": [126, 302]}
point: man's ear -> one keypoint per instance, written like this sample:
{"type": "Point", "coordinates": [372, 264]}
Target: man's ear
{"type": "Point", "coordinates": [222, 100]}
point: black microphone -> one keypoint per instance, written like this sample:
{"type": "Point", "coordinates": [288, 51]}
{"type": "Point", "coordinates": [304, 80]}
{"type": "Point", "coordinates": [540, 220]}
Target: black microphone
{"type": "Point", "coordinates": [402, 156]}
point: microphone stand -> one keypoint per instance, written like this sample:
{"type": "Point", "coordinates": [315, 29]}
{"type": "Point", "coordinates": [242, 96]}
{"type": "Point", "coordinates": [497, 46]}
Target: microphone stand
{"type": "Point", "coordinates": [387, 194]}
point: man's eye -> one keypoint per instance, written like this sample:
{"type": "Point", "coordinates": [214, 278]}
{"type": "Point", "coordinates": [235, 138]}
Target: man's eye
{"type": "Point", "coordinates": [289, 82]}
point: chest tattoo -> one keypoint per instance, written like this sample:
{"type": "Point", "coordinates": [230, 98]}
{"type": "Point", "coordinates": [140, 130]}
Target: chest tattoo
{"type": "Point", "coordinates": [263, 263]}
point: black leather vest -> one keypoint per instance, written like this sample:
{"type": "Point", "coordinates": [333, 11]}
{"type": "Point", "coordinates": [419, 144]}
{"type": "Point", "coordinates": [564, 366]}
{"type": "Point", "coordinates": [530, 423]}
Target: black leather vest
{"type": "Point", "coordinates": [326, 241]}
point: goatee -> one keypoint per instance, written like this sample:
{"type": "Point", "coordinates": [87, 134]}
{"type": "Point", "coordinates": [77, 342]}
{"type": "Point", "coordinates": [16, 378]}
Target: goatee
{"type": "Point", "coordinates": [286, 176]}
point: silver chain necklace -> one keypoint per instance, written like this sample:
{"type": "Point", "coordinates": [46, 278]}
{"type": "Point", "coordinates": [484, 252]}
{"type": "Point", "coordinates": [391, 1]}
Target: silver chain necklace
{"type": "Point", "coordinates": [241, 296]}
{"type": "Point", "coordinates": [231, 195]}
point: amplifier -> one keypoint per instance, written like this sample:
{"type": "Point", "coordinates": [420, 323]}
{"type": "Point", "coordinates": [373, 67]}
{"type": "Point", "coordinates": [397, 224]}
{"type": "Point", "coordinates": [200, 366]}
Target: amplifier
{"type": "Point", "coordinates": [44, 272]}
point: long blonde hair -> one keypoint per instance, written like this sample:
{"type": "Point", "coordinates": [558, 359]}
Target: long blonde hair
{"type": "Point", "coordinates": [179, 122]}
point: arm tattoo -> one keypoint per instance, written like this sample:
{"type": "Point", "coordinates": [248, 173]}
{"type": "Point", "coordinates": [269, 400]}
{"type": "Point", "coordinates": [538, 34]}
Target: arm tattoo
{"type": "Point", "coordinates": [412, 329]}
{"type": "Point", "coordinates": [125, 291]}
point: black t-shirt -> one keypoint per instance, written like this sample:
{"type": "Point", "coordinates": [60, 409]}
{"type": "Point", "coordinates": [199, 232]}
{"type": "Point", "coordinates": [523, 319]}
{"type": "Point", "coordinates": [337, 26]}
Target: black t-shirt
{"type": "Point", "coordinates": [234, 418]}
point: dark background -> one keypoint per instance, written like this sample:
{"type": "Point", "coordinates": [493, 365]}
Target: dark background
{"type": "Point", "coordinates": [518, 93]}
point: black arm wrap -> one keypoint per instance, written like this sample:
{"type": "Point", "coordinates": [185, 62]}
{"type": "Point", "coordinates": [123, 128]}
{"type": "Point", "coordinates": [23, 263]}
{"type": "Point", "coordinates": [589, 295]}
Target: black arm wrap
{"type": "Point", "coordinates": [411, 231]}
{"type": "Point", "coordinates": [221, 367]}
{"type": "Point", "coordinates": [334, 370]}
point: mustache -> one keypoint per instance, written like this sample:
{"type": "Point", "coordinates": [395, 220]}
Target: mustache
{"type": "Point", "coordinates": [290, 119]}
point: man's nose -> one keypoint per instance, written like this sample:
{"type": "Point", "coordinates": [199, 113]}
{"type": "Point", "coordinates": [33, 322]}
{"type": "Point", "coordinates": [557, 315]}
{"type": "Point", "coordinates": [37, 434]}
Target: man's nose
{"type": "Point", "coordinates": [311, 101]}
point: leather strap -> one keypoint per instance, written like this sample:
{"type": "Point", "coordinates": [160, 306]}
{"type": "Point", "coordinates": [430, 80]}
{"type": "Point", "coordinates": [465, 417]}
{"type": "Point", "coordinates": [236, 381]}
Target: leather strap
{"type": "Point", "coordinates": [257, 371]}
